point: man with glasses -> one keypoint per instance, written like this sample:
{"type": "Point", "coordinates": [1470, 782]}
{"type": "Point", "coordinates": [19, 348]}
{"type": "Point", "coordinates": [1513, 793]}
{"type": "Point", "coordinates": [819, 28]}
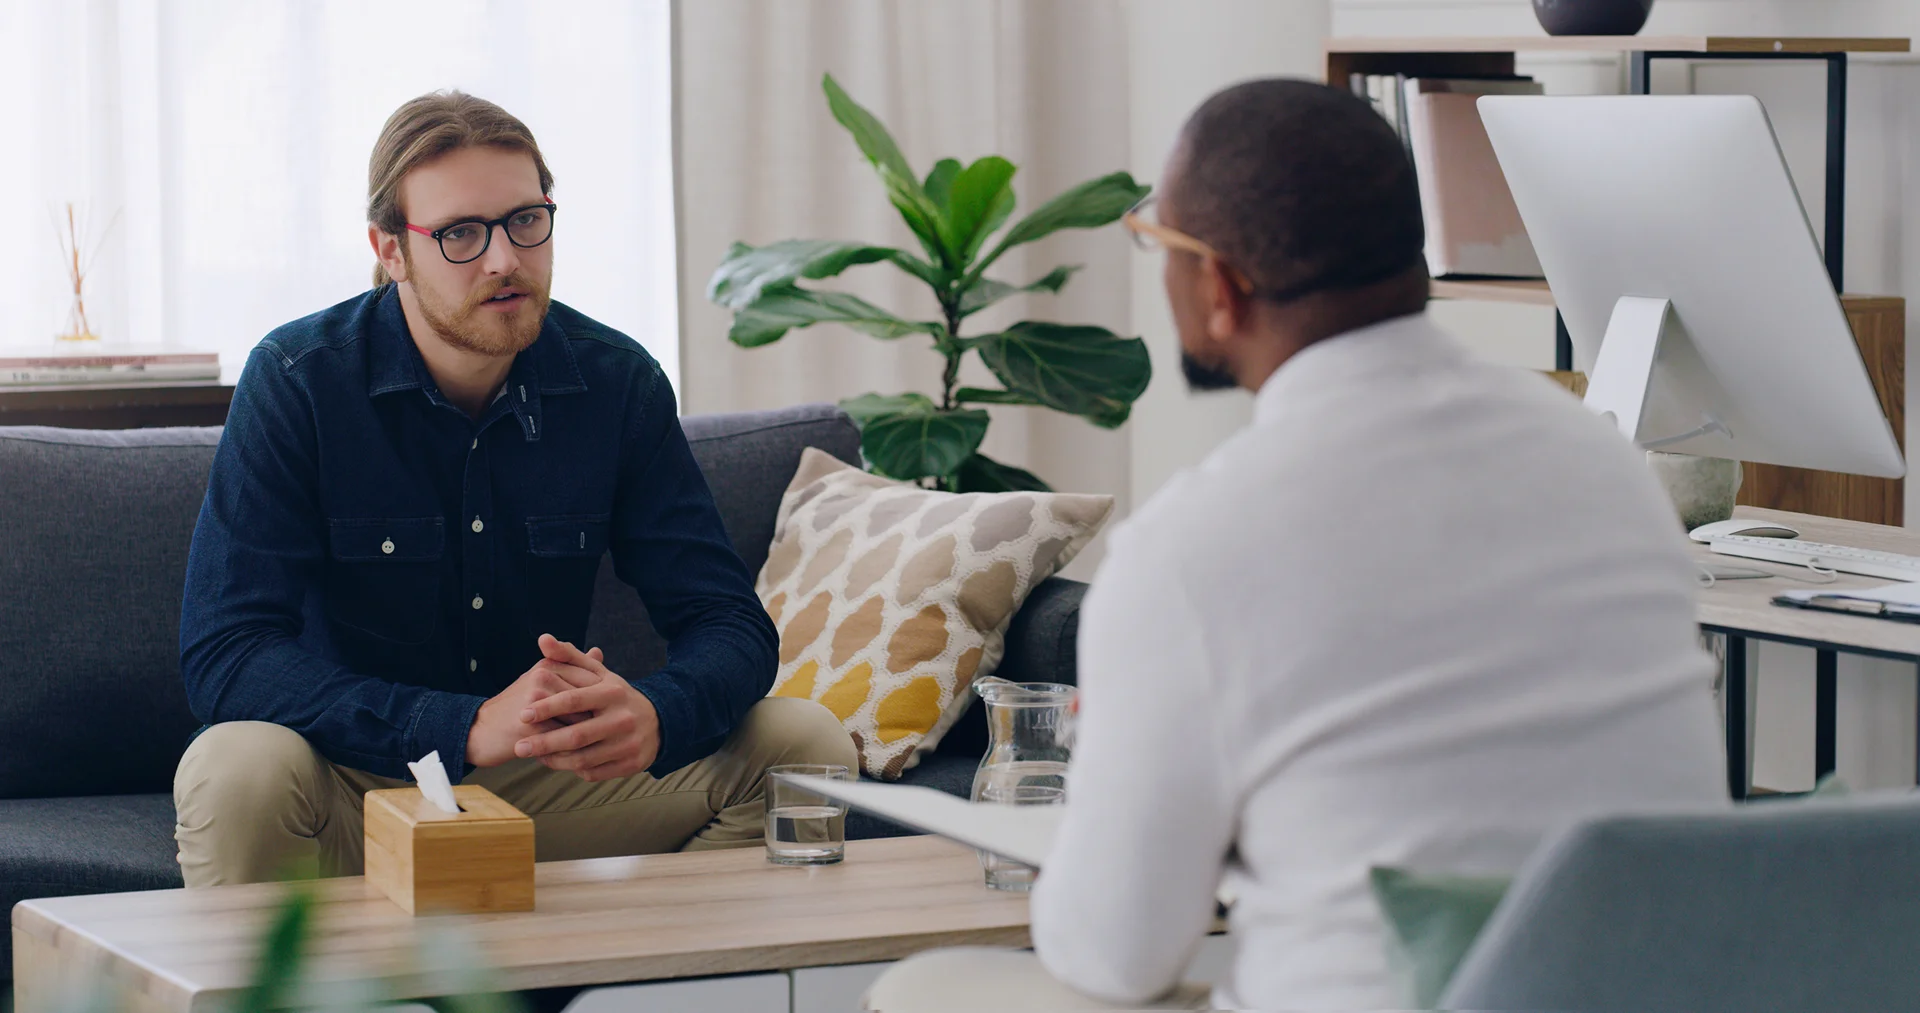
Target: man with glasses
{"type": "Point", "coordinates": [398, 547]}
{"type": "Point", "coordinates": [1420, 613]}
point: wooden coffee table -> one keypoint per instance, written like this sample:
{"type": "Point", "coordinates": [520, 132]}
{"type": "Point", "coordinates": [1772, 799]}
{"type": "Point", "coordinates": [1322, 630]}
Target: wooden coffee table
{"type": "Point", "coordinates": [595, 922]}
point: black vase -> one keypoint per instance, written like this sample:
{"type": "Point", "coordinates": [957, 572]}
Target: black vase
{"type": "Point", "coordinates": [1592, 17]}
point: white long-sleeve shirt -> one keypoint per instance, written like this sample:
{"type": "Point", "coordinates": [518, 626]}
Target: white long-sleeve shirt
{"type": "Point", "coordinates": [1419, 613]}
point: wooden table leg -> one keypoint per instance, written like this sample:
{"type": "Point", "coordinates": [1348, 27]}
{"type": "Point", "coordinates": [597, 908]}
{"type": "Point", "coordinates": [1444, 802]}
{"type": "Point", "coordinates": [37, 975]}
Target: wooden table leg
{"type": "Point", "coordinates": [34, 988]}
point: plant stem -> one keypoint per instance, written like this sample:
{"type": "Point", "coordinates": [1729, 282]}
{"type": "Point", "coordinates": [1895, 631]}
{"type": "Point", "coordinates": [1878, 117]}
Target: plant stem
{"type": "Point", "coordinates": [951, 348]}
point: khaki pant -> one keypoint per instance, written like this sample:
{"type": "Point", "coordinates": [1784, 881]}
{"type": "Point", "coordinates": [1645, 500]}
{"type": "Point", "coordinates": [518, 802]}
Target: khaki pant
{"type": "Point", "coordinates": [255, 800]}
{"type": "Point", "coordinates": [967, 978]}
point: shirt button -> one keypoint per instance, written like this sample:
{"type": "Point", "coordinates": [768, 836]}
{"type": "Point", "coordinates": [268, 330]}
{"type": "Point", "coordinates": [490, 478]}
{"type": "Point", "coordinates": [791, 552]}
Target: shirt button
{"type": "Point", "coordinates": [387, 547]}
{"type": "Point", "coordinates": [477, 602]}
{"type": "Point", "coordinates": [473, 664]}
{"type": "Point", "coordinates": [477, 526]}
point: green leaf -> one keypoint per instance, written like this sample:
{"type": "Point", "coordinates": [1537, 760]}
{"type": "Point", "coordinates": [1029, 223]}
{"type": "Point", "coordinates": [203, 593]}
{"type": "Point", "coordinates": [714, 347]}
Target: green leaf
{"type": "Point", "coordinates": [867, 130]}
{"type": "Point", "coordinates": [981, 198]}
{"type": "Point", "coordinates": [934, 276]}
{"type": "Point", "coordinates": [1082, 370]}
{"type": "Point", "coordinates": [981, 473]}
{"type": "Point", "coordinates": [867, 407]}
{"type": "Point", "coordinates": [921, 214]}
{"type": "Point", "coordinates": [747, 271]}
{"type": "Point", "coordinates": [978, 395]}
{"type": "Point", "coordinates": [986, 291]}
{"type": "Point", "coordinates": [940, 180]}
{"type": "Point", "coordinates": [779, 310]}
{"type": "Point", "coordinates": [1090, 205]}
{"type": "Point", "coordinates": [908, 437]}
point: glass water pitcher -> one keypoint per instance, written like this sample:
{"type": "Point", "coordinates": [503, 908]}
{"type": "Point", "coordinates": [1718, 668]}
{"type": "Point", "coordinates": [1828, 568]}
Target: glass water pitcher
{"type": "Point", "coordinates": [1028, 745]}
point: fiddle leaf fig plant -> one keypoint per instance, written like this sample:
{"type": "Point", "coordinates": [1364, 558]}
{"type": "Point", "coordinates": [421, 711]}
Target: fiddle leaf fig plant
{"type": "Point", "coordinates": [954, 212]}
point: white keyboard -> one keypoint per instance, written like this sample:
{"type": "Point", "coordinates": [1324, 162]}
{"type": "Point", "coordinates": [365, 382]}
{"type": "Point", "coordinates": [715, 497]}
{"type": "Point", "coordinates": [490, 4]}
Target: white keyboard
{"type": "Point", "coordinates": [1844, 558]}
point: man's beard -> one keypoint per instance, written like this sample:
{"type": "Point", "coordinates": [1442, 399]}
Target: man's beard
{"type": "Point", "coordinates": [1202, 377]}
{"type": "Point", "coordinates": [463, 328]}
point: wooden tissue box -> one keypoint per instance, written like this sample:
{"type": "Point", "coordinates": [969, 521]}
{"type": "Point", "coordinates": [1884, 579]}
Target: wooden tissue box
{"type": "Point", "coordinates": [434, 862]}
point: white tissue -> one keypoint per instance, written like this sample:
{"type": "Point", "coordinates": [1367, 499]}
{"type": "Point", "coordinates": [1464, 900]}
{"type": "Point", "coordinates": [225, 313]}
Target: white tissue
{"type": "Point", "coordinates": [432, 778]}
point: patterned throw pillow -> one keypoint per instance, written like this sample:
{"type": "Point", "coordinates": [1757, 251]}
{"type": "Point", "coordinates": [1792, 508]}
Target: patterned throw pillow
{"type": "Point", "coordinates": [891, 599]}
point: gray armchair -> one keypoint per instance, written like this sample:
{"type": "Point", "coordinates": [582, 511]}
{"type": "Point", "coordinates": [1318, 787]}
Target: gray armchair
{"type": "Point", "coordinates": [1807, 906]}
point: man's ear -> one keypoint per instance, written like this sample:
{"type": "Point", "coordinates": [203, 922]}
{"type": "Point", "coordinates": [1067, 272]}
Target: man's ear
{"type": "Point", "coordinates": [1226, 304]}
{"type": "Point", "coordinates": [386, 249]}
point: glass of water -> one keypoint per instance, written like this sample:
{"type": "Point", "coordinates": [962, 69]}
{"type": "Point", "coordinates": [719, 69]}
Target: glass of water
{"type": "Point", "coordinates": [1005, 873]}
{"type": "Point", "coordinates": [804, 827]}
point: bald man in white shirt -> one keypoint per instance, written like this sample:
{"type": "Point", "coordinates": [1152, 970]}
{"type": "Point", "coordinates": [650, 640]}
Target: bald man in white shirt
{"type": "Point", "coordinates": [1420, 613]}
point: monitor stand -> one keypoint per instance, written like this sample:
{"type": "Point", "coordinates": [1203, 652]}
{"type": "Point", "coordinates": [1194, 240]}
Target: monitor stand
{"type": "Point", "coordinates": [1640, 328]}
{"type": "Point", "coordinates": [1623, 371]}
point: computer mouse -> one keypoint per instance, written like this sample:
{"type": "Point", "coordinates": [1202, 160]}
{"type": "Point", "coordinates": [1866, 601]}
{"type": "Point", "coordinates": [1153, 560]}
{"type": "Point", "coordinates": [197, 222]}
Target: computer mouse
{"type": "Point", "coordinates": [1741, 526]}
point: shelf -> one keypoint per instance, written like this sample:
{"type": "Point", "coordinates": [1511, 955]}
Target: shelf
{"type": "Point", "coordinates": [132, 406]}
{"type": "Point", "coordinates": [1618, 44]}
{"type": "Point", "coordinates": [1533, 293]}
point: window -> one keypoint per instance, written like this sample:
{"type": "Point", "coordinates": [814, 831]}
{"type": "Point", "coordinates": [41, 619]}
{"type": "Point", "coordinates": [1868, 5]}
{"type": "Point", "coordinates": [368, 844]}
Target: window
{"type": "Point", "coordinates": [226, 145]}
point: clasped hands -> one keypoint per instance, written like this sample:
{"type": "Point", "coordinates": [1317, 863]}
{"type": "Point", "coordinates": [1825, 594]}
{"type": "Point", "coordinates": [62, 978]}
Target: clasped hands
{"type": "Point", "coordinates": [571, 713]}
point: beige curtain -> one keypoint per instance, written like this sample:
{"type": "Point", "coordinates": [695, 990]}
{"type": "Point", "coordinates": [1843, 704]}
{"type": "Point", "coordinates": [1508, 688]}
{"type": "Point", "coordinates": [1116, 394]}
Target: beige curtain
{"type": "Point", "coordinates": [1043, 84]}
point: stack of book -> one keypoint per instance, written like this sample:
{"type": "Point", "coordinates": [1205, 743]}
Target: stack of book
{"type": "Point", "coordinates": [1473, 227]}
{"type": "Point", "coordinates": [104, 365]}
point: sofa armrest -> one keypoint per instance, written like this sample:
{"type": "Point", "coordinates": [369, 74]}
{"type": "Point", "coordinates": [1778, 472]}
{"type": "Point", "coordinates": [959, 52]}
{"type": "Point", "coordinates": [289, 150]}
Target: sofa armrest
{"type": "Point", "coordinates": [1040, 648]}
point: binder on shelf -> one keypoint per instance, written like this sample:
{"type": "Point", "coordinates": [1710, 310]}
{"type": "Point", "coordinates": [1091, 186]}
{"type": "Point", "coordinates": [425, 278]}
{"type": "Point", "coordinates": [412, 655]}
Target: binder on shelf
{"type": "Point", "coordinates": [1473, 227]}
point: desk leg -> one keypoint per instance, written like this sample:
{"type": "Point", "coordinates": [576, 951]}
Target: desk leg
{"type": "Point", "coordinates": [1826, 696]}
{"type": "Point", "coordinates": [1733, 693]}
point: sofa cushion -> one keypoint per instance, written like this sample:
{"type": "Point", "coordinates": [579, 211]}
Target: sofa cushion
{"type": "Point", "coordinates": [57, 847]}
{"type": "Point", "coordinates": [93, 554]}
{"type": "Point", "coordinates": [891, 599]}
{"type": "Point", "coordinates": [747, 458]}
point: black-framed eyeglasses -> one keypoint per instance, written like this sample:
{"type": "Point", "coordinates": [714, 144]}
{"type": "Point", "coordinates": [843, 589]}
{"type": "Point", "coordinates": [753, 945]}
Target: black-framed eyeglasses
{"type": "Point", "coordinates": [466, 241]}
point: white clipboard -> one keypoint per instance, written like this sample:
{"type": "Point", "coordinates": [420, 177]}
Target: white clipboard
{"type": "Point", "coordinates": [1023, 833]}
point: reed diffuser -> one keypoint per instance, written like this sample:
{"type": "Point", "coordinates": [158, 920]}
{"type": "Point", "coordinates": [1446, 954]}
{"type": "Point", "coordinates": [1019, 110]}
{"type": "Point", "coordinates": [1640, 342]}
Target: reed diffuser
{"type": "Point", "coordinates": [78, 262]}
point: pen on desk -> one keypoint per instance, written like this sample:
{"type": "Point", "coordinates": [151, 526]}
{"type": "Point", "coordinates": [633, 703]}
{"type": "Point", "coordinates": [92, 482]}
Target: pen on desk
{"type": "Point", "coordinates": [1845, 604]}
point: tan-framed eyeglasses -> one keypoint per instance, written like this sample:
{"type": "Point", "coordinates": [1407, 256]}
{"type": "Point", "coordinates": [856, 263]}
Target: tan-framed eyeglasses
{"type": "Point", "coordinates": [1150, 236]}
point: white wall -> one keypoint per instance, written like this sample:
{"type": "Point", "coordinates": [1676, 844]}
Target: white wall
{"type": "Point", "coordinates": [1877, 704]}
{"type": "Point", "coordinates": [1180, 53]}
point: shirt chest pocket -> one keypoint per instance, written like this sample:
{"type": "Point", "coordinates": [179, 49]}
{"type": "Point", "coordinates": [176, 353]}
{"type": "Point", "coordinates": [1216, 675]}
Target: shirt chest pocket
{"type": "Point", "coordinates": [384, 574]}
{"type": "Point", "coordinates": [563, 555]}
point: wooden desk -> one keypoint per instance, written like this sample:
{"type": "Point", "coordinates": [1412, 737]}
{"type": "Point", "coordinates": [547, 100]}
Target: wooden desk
{"type": "Point", "coordinates": [597, 921]}
{"type": "Point", "coordinates": [1743, 610]}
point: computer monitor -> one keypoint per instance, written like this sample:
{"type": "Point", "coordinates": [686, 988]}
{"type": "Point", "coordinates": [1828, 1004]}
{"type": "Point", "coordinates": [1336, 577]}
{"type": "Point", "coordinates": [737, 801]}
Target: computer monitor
{"type": "Point", "coordinates": [1693, 289]}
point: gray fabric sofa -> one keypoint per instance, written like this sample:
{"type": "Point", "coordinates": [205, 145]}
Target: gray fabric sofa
{"type": "Point", "coordinates": [94, 529]}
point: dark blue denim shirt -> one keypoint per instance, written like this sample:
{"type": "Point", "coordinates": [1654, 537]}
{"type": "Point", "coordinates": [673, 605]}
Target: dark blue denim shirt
{"type": "Point", "coordinates": [371, 564]}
